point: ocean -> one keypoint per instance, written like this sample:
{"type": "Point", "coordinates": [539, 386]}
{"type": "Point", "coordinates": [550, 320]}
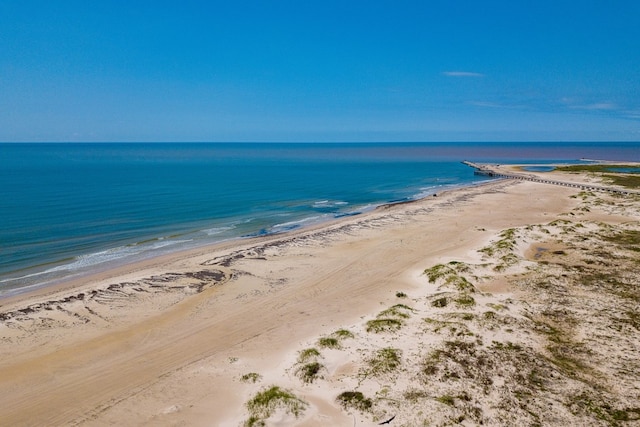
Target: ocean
{"type": "Point", "coordinates": [68, 209]}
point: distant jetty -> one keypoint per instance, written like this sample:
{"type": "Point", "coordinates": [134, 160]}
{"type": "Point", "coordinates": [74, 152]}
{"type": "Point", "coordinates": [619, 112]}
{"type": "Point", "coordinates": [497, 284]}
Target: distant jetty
{"type": "Point", "coordinates": [488, 170]}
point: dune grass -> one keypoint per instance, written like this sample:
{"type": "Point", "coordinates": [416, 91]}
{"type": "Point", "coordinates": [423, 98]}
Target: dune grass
{"type": "Point", "coordinates": [264, 404]}
{"type": "Point", "coordinates": [354, 400]}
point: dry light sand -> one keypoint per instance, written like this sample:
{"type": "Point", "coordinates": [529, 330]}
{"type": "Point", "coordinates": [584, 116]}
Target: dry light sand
{"type": "Point", "coordinates": [509, 303]}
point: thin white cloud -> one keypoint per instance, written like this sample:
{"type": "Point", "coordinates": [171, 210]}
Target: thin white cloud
{"type": "Point", "coordinates": [462, 74]}
{"type": "Point", "coordinates": [488, 104]}
{"type": "Point", "coordinates": [632, 114]}
{"type": "Point", "coordinates": [484, 104]}
{"type": "Point", "coordinates": [598, 106]}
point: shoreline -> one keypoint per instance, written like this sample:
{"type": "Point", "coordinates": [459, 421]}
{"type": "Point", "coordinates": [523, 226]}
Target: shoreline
{"type": "Point", "coordinates": [138, 258]}
{"type": "Point", "coordinates": [168, 341]}
{"type": "Point", "coordinates": [104, 270]}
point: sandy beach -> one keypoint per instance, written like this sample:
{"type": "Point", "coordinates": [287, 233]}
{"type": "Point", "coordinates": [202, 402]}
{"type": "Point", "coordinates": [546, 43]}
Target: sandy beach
{"type": "Point", "coordinates": [507, 303]}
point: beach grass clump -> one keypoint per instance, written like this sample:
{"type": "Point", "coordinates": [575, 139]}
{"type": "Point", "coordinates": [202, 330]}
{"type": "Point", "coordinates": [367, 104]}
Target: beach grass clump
{"type": "Point", "coordinates": [467, 316]}
{"type": "Point", "coordinates": [440, 302]}
{"type": "Point", "coordinates": [308, 354]}
{"type": "Point", "coordinates": [460, 283]}
{"type": "Point", "coordinates": [384, 325]}
{"type": "Point", "coordinates": [251, 377]}
{"type": "Point", "coordinates": [454, 328]}
{"type": "Point", "coordinates": [308, 367]}
{"type": "Point", "coordinates": [449, 273]}
{"type": "Point", "coordinates": [506, 346]}
{"type": "Point", "coordinates": [309, 372]}
{"type": "Point", "coordinates": [455, 360]}
{"type": "Point", "coordinates": [506, 261]}
{"type": "Point", "coordinates": [384, 361]}
{"type": "Point", "coordinates": [507, 243]}
{"type": "Point", "coordinates": [438, 271]}
{"type": "Point", "coordinates": [267, 401]}
{"type": "Point", "coordinates": [343, 334]}
{"type": "Point", "coordinates": [435, 325]}
{"type": "Point", "coordinates": [254, 421]}
{"type": "Point", "coordinates": [430, 364]}
{"type": "Point", "coordinates": [489, 315]}
{"type": "Point", "coordinates": [354, 400]}
{"type": "Point", "coordinates": [334, 341]}
{"type": "Point", "coordinates": [497, 307]}
{"type": "Point", "coordinates": [400, 311]}
{"type": "Point", "coordinates": [414, 395]}
{"type": "Point", "coordinates": [559, 222]}
{"type": "Point", "coordinates": [459, 266]}
{"type": "Point", "coordinates": [446, 399]}
{"type": "Point", "coordinates": [329, 342]}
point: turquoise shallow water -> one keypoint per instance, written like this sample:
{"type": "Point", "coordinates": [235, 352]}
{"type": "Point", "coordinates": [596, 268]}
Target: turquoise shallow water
{"type": "Point", "coordinates": [71, 208]}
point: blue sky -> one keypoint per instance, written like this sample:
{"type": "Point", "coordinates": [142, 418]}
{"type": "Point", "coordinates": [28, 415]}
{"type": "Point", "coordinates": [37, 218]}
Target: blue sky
{"type": "Point", "coordinates": [319, 70]}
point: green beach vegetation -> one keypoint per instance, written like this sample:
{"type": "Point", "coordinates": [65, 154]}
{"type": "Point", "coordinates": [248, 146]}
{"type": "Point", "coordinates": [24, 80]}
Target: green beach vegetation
{"type": "Point", "coordinates": [618, 174]}
{"type": "Point", "coordinates": [265, 403]}
{"type": "Point", "coordinates": [354, 400]}
{"type": "Point", "coordinates": [450, 353]}
{"type": "Point", "coordinates": [384, 361]}
{"type": "Point", "coordinates": [308, 367]}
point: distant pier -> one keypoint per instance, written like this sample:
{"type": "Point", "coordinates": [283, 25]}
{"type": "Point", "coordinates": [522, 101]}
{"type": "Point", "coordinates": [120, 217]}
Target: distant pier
{"type": "Point", "coordinates": [487, 170]}
{"type": "Point", "coordinates": [480, 169]}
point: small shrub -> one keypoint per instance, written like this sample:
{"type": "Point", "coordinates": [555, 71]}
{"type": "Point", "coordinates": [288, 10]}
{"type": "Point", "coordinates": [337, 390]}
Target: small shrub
{"type": "Point", "coordinates": [354, 400]}
{"type": "Point", "coordinates": [401, 295]}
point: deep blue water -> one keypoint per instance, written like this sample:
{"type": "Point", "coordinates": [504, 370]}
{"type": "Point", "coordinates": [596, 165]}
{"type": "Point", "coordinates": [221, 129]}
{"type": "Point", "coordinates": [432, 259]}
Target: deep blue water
{"type": "Point", "coordinates": [70, 208]}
